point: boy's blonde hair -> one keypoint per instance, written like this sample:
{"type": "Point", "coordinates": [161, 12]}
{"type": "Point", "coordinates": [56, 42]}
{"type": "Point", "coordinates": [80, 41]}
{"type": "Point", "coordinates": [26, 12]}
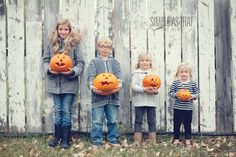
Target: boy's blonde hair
{"type": "Point", "coordinates": [185, 66]}
{"type": "Point", "coordinates": [140, 56]}
{"type": "Point", "coordinates": [105, 41]}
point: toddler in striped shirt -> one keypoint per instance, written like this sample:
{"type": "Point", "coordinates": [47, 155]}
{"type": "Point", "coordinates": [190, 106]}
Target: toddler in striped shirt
{"type": "Point", "coordinates": [183, 109]}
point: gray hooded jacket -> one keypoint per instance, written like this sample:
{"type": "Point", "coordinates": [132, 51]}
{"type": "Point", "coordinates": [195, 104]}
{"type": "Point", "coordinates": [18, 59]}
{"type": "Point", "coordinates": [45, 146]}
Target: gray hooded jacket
{"type": "Point", "coordinates": [61, 84]}
{"type": "Point", "coordinates": [97, 66]}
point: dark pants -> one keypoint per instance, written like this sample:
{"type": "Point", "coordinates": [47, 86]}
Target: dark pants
{"type": "Point", "coordinates": [151, 117]}
{"type": "Point", "coordinates": [185, 117]}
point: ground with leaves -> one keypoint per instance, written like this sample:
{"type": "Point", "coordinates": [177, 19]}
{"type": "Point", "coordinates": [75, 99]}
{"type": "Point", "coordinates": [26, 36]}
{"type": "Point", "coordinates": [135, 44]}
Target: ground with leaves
{"type": "Point", "coordinates": [36, 146]}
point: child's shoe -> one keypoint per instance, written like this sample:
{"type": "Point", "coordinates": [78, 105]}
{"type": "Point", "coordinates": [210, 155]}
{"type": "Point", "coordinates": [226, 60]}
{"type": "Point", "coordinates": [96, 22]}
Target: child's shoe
{"type": "Point", "coordinates": [137, 139]}
{"type": "Point", "coordinates": [188, 144]}
{"type": "Point", "coordinates": [176, 142]}
{"type": "Point", "coordinates": [152, 138]}
{"type": "Point", "coordinates": [96, 145]}
{"type": "Point", "coordinates": [114, 144]}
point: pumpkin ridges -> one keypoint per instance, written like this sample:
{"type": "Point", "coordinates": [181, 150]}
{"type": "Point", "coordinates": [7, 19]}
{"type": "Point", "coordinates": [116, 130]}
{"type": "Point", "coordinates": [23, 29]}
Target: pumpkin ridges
{"type": "Point", "coordinates": [152, 81]}
{"type": "Point", "coordinates": [61, 62]}
{"type": "Point", "coordinates": [105, 81]}
{"type": "Point", "coordinates": [184, 95]}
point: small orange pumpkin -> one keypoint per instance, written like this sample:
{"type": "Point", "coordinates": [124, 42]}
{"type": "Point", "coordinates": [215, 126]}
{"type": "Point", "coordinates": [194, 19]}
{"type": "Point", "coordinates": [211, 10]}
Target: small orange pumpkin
{"type": "Point", "coordinates": [61, 63]}
{"type": "Point", "coordinates": [184, 95]}
{"type": "Point", "coordinates": [151, 81]}
{"type": "Point", "coordinates": [105, 81]}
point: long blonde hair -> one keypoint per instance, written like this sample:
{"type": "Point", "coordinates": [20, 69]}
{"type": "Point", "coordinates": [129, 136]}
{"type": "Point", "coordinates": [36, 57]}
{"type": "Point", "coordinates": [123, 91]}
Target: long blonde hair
{"type": "Point", "coordinates": [186, 66]}
{"type": "Point", "coordinates": [140, 56]}
{"type": "Point", "coordinates": [70, 41]}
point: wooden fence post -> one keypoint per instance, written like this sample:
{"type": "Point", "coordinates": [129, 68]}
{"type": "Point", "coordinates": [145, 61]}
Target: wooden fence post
{"type": "Point", "coordinates": [15, 64]}
{"type": "Point", "coordinates": [233, 49]}
{"type": "Point", "coordinates": [3, 72]}
{"type": "Point", "coordinates": [206, 66]}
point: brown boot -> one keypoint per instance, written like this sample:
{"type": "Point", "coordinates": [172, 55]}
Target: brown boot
{"type": "Point", "coordinates": [137, 139]}
{"type": "Point", "coordinates": [152, 138]}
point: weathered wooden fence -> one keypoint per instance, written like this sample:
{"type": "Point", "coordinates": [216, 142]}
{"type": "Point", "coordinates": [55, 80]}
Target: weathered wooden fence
{"type": "Point", "coordinates": [201, 32]}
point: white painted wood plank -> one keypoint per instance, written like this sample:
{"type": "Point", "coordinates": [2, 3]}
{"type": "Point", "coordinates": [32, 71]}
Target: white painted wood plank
{"type": "Point", "coordinates": [138, 37]}
{"type": "Point", "coordinates": [189, 46]}
{"type": "Point", "coordinates": [156, 47]}
{"type": "Point", "coordinates": [233, 43]}
{"type": "Point", "coordinates": [206, 66]}
{"type": "Point", "coordinates": [122, 52]}
{"type": "Point", "coordinates": [104, 19]}
{"type": "Point", "coordinates": [33, 68]}
{"type": "Point", "coordinates": [173, 50]}
{"type": "Point", "coordinates": [3, 79]}
{"type": "Point", "coordinates": [51, 15]}
{"type": "Point", "coordinates": [48, 113]}
{"type": "Point", "coordinates": [16, 92]}
{"type": "Point", "coordinates": [70, 10]}
{"type": "Point", "coordinates": [86, 23]}
{"type": "Point", "coordinates": [33, 10]}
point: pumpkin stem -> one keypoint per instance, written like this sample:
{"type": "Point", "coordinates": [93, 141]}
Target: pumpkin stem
{"type": "Point", "coordinates": [65, 52]}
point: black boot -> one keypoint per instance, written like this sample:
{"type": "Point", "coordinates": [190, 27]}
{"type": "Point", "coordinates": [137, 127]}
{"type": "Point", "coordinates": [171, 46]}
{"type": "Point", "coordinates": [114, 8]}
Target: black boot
{"type": "Point", "coordinates": [57, 136]}
{"type": "Point", "coordinates": [65, 140]}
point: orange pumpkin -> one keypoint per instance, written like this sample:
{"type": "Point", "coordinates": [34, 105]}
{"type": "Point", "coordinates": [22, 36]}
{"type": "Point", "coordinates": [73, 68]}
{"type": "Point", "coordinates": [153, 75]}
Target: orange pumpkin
{"type": "Point", "coordinates": [184, 95]}
{"type": "Point", "coordinates": [105, 81]}
{"type": "Point", "coordinates": [61, 63]}
{"type": "Point", "coordinates": [151, 81]}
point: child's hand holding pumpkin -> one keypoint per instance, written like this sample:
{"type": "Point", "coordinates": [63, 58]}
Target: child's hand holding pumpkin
{"type": "Point", "coordinates": [147, 90]}
{"type": "Point", "coordinates": [68, 73]}
{"type": "Point", "coordinates": [116, 90]}
{"type": "Point", "coordinates": [53, 72]}
{"type": "Point", "coordinates": [155, 90]}
{"type": "Point", "coordinates": [100, 92]}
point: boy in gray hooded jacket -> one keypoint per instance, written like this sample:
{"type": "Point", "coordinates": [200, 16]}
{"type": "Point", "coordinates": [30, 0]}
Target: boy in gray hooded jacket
{"type": "Point", "coordinates": [104, 102]}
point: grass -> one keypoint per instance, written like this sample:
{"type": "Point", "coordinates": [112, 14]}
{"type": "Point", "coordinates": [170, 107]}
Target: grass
{"type": "Point", "coordinates": [204, 146]}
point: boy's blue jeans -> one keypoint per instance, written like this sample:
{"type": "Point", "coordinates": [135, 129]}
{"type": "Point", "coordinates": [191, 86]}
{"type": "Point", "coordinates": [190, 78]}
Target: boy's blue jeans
{"type": "Point", "coordinates": [111, 112]}
{"type": "Point", "coordinates": [62, 109]}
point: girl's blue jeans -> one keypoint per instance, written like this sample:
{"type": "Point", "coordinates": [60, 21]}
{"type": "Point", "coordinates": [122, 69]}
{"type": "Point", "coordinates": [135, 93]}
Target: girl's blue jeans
{"type": "Point", "coordinates": [98, 116]}
{"type": "Point", "coordinates": [151, 118]}
{"type": "Point", "coordinates": [62, 109]}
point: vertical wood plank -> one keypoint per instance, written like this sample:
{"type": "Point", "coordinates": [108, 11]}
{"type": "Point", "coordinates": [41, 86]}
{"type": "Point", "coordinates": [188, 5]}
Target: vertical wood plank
{"type": "Point", "coordinates": [104, 19]}
{"type": "Point", "coordinates": [33, 10]}
{"type": "Point", "coordinates": [156, 47]}
{"type": "Point", "coordinates": [172, 50]}
{"type": "Point", "coordinates": [51, 14]}
{"type": "Point", "coordinates": [70, 10]}
{"type": "Point", "coordinates": [122, 54]}
{"type": "Point", "coordinates": [87, 23]}
{"type": "Point", "coordinates": [206, 66]}
{"type": "Point", "coordinates": [138, 36]}
{"type": "Point", "coordinates": [233, 49]}
{"type": "Point", "coordinates": [34, 91]}
{"type": "Point", "coordinates": [16, 73]}
{"type": "Point", "coordinates": [33, 66]}
{"type": "Point", "coordinates": [189, 46]}
{"type": "Point", "coordinates": [224, 107]}
{"type": "Point", "coordinates": [3, 79]}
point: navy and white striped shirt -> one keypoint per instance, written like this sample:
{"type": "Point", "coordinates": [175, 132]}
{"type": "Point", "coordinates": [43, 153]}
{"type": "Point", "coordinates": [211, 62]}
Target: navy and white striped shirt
{"type": "Point", "coordinates": [191, 86]}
